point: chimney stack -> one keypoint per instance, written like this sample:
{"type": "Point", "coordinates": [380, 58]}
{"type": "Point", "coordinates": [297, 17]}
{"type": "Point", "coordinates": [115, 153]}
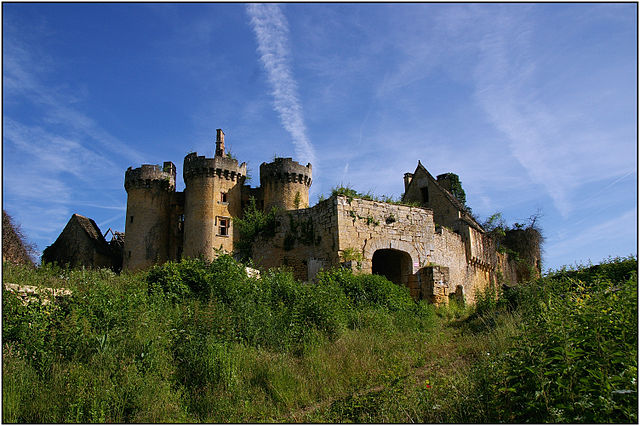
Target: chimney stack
{"type": "Point", "coordinates": [408, 177]}
{"type": "Point", "coordinates": [219, 143]}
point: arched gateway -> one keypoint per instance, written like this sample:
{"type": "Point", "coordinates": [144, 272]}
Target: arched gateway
{"type": "Point", "coordinates": [394, 264]}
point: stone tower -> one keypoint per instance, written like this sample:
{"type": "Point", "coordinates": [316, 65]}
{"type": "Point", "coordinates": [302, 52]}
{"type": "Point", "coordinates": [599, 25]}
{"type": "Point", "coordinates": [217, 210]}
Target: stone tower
{"type": "Point", "coordinates": [149, 190]}
{"type": "Point", "coordinates": [285, 184]}
{"type": "Point", "coordinates": [213, 196]}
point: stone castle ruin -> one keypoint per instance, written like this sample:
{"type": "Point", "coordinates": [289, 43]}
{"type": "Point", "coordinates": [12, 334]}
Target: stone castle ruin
{"type": "Point", "coordinates": [434, 246]}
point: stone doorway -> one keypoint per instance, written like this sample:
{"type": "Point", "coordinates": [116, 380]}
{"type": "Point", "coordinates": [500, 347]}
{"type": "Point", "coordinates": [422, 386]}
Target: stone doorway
{"type": "Point", "coordinates": [395, 265]}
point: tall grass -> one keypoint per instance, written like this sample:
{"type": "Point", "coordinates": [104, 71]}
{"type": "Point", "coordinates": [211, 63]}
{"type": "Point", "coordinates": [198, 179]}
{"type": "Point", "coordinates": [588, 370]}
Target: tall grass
{"type": "Point", "coordinates": [193, 341]}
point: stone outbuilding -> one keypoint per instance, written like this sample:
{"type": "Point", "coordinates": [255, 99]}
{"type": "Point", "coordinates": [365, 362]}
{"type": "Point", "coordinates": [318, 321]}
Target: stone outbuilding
{"type": "Point", "coordinates": [82, 244]}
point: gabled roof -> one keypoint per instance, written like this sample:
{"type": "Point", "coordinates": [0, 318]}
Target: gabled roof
{"type": "Point", "coordinates": [467, 217]}
{"type": "Point", "coordinates": [90, 228]}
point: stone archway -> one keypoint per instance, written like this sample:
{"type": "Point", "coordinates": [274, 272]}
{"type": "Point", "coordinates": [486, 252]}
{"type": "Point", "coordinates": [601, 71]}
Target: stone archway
{"type": "Point", "coordinates": [395, 265]}
{"type": "Point", "coordinates": [373, 245]}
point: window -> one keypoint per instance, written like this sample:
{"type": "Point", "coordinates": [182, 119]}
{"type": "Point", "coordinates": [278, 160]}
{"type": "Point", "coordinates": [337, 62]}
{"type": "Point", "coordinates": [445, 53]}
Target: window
{"type": "Point", "coordinates": [223, 197]}
{"type": "Point", "coordinates": [223, 226]}
{"type": "Point", "coordinates": [180, 222]}
{"type": "Point", "coordinates": [425, 194]}
{"type": "Point", "coordinates": [131, 219]}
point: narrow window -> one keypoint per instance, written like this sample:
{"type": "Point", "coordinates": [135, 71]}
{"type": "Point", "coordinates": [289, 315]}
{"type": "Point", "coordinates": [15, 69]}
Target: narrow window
{"type": "Point", "coordinates": [223, 197]}
{"type": "Point", "coordinates": [223, 226]}
{"type": "Point", "coordinates": [180, 222]}
{"type": "Point", "coordinates": [425, 194]}
{"type": "Point", "coordinates": [131, 219]}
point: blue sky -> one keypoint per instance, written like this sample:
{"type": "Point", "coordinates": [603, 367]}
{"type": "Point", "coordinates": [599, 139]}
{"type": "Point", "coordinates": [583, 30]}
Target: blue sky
{"type": "Point", "coordinates": [532, 105]}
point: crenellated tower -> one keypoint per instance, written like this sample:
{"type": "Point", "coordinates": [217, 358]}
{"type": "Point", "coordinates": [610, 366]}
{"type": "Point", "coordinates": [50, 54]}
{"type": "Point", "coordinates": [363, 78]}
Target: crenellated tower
{"type": "Point", "coordinates": [285, 184]}
{"type": "Point", "coordinates": [150, 189]}
{"type": "Point", "coordinates": [213, 197]}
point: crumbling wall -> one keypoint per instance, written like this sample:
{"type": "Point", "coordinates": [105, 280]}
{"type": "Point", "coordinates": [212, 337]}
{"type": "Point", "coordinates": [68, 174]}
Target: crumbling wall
{"type": "Point", "coordinates": [368, 226]}
{"type": "Point", "coordinates": [451, 250]}
{"type": "Point", "coordinates": [305, 241]}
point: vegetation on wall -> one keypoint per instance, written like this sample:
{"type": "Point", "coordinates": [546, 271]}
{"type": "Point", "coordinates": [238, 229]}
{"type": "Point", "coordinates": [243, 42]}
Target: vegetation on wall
{"type": "Point", "coordinates": [351, 193]}
{"type": "Point", "coordinates": [456, 188]}
{"type": "Point", "coordinates": [522, 241]}
{"type": "Point", "coordinates": [300, 231]}
{"type": "Point", "coordinates": [194, 341]}
{"type": "Point", "coordinates": [254, 224]}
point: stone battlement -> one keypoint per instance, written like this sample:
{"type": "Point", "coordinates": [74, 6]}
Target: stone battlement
{"type": "Point", "coordinates": [222, 167]}
{"type": "Point", "coordinates": [151, 175]}
{"type": "Point", "coordinates": [285, 170]}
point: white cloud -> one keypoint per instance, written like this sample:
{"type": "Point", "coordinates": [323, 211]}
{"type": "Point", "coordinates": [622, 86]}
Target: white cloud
{"type": "Point", "coordinates": [23, 78]}
{"type": "Point", "coordinates": [272, 33]}
{"type": "Point", "coordinates": [603, 235]}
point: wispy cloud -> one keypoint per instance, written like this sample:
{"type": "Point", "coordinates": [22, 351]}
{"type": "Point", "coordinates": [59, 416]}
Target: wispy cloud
{"type": "Point", "coordinates": [57, 156]}
{"type": "Point", "coordinates": [595, 237]}
{"type": "Point", "coordinates": [559, 148]}
{"type": "Point", "coordinates": [23, 78]}
{"type": "Point", "coordinates": [272, 33]}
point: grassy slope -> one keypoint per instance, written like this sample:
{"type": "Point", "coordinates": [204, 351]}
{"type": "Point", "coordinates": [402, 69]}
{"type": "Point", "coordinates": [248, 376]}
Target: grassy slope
{"type": "Point", "coordinates": [198, 343]}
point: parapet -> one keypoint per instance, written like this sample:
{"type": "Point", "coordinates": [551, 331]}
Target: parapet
{"type": "Point", "coordinates": [221, 167]}
{"type": "Point", "coordinates": [285, 170]}
{"type": "Point", "coordinates": [151, 176]}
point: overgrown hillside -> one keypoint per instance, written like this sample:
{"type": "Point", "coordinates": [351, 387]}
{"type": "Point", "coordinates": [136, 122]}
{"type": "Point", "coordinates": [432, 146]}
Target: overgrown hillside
{"type": "Point", "coordinates": [199, 342]}
{"type": "Point", "coordinates": [15, 248]}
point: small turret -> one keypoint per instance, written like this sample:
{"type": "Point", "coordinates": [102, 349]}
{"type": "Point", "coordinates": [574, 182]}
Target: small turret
{"type": "Point", "coordinates": [151, 176]}
{"type": "Point", "coordinates": [285, 184]}
{"type": "Point", "coordinates": [407, 180]}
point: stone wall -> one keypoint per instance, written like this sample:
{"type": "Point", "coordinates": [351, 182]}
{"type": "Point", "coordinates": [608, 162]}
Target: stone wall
{"type": "Point", "coordinates": [368, 226]}
{"type": "Point", "coordinates": [434, 262]}
{"type": "Point", "coordinates": [450, 250]}
{"type": "Point", "coordinates": [305, 241]}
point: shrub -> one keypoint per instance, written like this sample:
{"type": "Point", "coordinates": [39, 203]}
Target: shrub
{"type": "Point", "coordinates": [369, 290]}
{"type": "Point", "coordinates": [576, 357]}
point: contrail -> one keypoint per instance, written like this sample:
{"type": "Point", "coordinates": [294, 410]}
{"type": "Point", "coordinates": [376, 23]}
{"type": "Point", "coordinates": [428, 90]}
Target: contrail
{"type": "Point", "coordinates": [272, 33]}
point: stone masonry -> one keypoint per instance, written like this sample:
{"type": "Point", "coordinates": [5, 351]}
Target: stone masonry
{"type": "Point", "coordinates": [435, 247]}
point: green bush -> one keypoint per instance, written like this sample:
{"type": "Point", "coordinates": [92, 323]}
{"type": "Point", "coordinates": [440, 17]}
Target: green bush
{"type": "Point", "coordinates": [369, 290]}
{"type": "Point", "coordinates": [575, 359]}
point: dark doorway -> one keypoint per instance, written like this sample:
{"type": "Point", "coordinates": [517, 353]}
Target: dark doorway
{"type": "Point", "coordinates": [395, 265]}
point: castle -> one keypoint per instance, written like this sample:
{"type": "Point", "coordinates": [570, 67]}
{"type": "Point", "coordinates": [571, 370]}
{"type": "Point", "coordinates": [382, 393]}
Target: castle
{"type": "Point", "coordinates": [438, 249]}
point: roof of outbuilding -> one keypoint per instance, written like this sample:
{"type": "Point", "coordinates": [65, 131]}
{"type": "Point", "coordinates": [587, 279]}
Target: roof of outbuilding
{"type": "Point", "coordinates": [456, 203]}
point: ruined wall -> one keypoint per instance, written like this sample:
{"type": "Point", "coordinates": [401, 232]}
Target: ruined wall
{"type": "Point", "coordinates": [436, 263]}
{"type": "Point", "coordinates": [450, 250]}
{"type": "Point", "coordinates": [206, 180]}
{"type": "Point", "coordinates": [305, 241]}
{"type": "Point", "coordinates": [147, 225]}
{"type": "Point", "coordinates": [368, 226]}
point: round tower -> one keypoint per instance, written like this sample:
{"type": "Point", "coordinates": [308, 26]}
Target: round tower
{"type": "Point", "coordinates": [285, 184]}
{"type": "Point", "coordinates": [213, 197]}
{"type": "Point", "coordinates": [149, 190]}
